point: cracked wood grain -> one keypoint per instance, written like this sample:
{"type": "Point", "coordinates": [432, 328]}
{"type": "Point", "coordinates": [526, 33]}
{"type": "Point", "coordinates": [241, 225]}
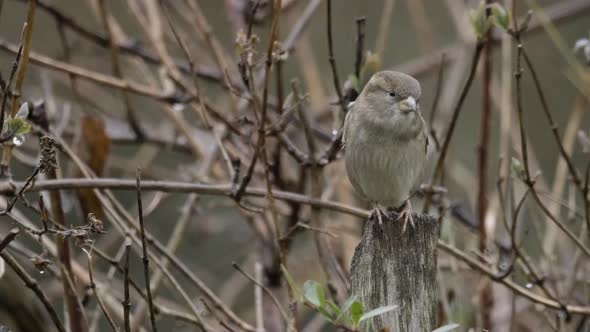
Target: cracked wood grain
{"type": "Point", "coordinates": [394, 267]}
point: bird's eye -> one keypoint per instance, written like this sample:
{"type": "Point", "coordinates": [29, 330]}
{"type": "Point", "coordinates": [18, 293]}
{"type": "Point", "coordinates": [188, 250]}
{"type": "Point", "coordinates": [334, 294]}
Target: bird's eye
{"type": "Point", "coordinates": [392, 94]}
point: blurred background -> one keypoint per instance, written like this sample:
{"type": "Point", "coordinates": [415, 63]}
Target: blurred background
{"type": "Point", "coordinates": [431, 40]}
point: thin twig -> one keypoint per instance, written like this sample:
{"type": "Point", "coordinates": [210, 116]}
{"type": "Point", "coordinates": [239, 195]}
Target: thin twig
{"type": "Point", "coordinates": [126, 303]}
{"type": "Point", "coordinates": [76, 314]}
{"type": "Point", "coordinates": [116, 69]}
{"type": "Point", "coordinates": [89, 75]}
{"type": "Point", "coordinates": [189, 59]}
{"type": "Point", "coordinates": [436, 99]}
{"type": "Point", "coordinates": [360, 46]}
{"type": "Point", "coordinates": [146, 262]}
{"type": "Point", "coordinates": [8, 238]}
{"type": "Point", "coordinates": [422, 25]}
{"type": "Point", "coordinates": [481, 267]}
{"type": "Point", "coordinates": [34, 286]}
{"type": "Point", "coordinates": [520, 253]}
{"type": "Point", "coordinates": [261, 142]}
{"type": "Point", "coordinates": [384, 23]}
{"type": "Point", "coordinates": [172, 245]}
{"type": "Point", "coordinates": [456, 111]}
{"type": "Point", "coordinates": [306, 123]}
{"type": "Point", "coordinates": [179, 187]}
{"type": "Point", "coordinates": [438, 170]}
{"type": "Point", "coordinates": [528, 180]}
{"type": "Point", "coordinates": [98, 298]}
{"type": "Point", "coordinates": [486, 299]}
{"type": "Point", "coordinates": [26, 42]}
{"type": "Point", "coordinates": [124, 220]}
{"type": "Point", "coordinates": [332, 60]}
{"type": "Point", "coordinates": [554, 127]}
{"type": "Point", "coordinates": [6, 91]}
{"type": "Point", "coordinates": [266, 290]}
{"type": "Point", "coordinates": [30, 179]}
{"type": "Point", "coordinates": [586, 200]}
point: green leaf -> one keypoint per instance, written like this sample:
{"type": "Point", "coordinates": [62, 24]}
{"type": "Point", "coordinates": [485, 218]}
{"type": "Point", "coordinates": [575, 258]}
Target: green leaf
{"type": "Point", "coordinates": [17, 126]}
{"type": "Point", "coordinates": [327, 314]}
{"type": "Point", "coordinates": [356, 312]}
{"type": "Point", "coordinates": [371, 66]}
{"type": "Point", "coordinates": [333, 308]}
{"type": "Point", "coordinates": [354, 81]}
{"type": "Point", "coordinates": [314, 293]}
{"type": "Point", "coordinates": [377, 312]}
{"type": "Point", "coordinates": [23, 111]}
{"type": "Point", "coordinates": [517, 168]}
{"type": "Point", "coordinates": [291, 282]}
{"type": "Point", "coordinates": [346, 306]}
{"type": "Point", "coordinates": [479, 21]}
{"type": "Point", "coordinates": [501, 16]}
{"type": "Point", "coordinates": [447, 328]}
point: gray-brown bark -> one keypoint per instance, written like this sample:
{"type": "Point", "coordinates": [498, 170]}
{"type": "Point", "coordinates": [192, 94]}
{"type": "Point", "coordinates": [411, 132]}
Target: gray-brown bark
{"type": "Point", "coordinates": [389, 267]}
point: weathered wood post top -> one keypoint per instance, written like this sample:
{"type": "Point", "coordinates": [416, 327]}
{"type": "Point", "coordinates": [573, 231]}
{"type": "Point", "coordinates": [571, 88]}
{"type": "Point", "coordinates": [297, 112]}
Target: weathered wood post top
{"type": "Point", "coordinates": [393, 267]}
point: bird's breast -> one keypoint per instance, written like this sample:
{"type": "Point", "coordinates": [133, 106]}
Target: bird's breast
{"type": "Point", "coordinates": [383, 169]}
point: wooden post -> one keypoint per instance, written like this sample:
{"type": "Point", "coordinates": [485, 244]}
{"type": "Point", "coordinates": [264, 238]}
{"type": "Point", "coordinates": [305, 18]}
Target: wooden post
{"type": "Point", "coordinates": [389, 267]}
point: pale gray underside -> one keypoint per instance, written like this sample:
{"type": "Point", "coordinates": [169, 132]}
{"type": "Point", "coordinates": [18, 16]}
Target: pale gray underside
{"type": "Point", "coordinates": [382, 168]}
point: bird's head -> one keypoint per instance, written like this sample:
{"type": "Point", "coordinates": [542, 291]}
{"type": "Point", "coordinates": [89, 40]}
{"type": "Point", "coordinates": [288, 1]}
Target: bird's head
{"type": "Point", "coordinates": [390, 100]}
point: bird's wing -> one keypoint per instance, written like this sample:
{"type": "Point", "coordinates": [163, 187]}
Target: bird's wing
{"type": "Point", "coordinates": [424, 134]}
{"type": "Point", "coordinates": [427, 141]}
{"type": "Point", "coordinates": [346, 121]}
{"type": "Point", "coordinates": [427, 166]}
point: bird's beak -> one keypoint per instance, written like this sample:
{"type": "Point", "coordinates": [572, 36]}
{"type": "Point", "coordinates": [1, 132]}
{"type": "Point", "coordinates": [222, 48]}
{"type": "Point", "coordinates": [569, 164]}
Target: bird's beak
{"type": "Point", "coordinates": [408, 105]}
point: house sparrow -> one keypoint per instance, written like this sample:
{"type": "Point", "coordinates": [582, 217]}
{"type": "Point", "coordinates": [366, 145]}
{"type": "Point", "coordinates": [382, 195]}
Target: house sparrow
{"type": "Point", "coordinates": [385, 143]}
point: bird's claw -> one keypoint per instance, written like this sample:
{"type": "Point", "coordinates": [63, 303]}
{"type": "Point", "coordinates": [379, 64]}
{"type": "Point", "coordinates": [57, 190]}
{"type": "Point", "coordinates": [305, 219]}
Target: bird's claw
{"type": "Point", "coordinates": [378, 213]}
{"type": "Point", "coordinates": [406, 215]}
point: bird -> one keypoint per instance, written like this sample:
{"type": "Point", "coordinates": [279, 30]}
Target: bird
{"type": "Point", "coordinates": [385, 143]}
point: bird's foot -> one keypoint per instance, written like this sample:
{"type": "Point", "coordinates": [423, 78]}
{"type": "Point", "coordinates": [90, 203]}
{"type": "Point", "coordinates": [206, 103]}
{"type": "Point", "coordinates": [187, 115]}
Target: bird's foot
{"type": "Point", "coordinates": [406, 215]}
{"type": "Point", "coordinates": [377, 212]}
